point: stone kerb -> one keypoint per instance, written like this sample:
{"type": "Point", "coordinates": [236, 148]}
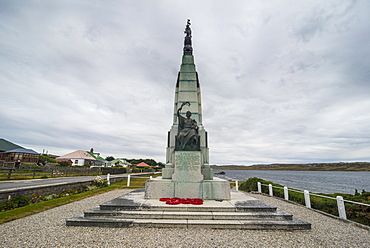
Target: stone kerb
{"type": "Point", "coordinates": [41, 190]}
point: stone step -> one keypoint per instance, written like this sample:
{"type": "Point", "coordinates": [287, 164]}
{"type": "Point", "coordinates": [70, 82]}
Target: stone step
{"type": "Point", "coordinates": [237, 205]}
{"type": "Point", "coordinates": [239, 212]}
{"type": "Point", "coordinates": [189, 208]}
{"type": "Point", "coordinates": [97, 213]}
{"type": "Point", "coordinates": [294, 224]}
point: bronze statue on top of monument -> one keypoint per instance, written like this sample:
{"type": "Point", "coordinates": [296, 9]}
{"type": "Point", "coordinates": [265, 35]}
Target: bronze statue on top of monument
{"type": "Point", "coordinates": [187, 136]}
{"type": "Point", "coordinates": [188, 49]}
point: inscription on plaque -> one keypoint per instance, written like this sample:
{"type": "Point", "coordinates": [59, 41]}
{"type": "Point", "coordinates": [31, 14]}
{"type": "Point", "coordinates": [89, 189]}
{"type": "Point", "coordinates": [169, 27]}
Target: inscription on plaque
{"type": "Point", "coordinates": [188, 161]}
{"type": "Point", "coordinates": [187, 167]}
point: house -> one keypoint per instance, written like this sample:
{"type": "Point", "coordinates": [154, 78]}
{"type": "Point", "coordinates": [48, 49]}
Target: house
{"type": "Point", "coordinates": [146, 167]}
{"type": "Point", "coordinates": [12, 155]}
{"type": "Point", "coordinates": [142, 164]}
{"type": "Point", "coordinates": [84, 158]}
{"type": "Point", "coordinates": [99, 161]}
{"type": "Point", "coordinates": [78, 158]}
{"type": "Point", "coordinates": [121, 162]}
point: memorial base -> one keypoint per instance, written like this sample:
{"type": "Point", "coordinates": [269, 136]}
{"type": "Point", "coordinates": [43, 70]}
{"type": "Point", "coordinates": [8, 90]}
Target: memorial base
{"type": "Point", "coordinates": [187, 178]}
{"type": "Point", "coordinates": [207, 189]}
{"type": "Point", "coordinates": [167, 173]}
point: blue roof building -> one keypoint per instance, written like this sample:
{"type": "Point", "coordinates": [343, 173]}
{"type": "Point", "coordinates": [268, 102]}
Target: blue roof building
{"type": "Point", "coordinates": [12, 155]}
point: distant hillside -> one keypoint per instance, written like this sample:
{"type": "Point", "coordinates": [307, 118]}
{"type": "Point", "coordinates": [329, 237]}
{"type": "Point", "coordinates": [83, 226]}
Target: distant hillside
{"type": "Point", "coordinates": [341, 166]}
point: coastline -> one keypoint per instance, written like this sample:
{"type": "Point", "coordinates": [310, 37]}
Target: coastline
{"type": "Point", "coordinates": [292, 168]}
{"type": "Point", "coordinates": [327, 182]}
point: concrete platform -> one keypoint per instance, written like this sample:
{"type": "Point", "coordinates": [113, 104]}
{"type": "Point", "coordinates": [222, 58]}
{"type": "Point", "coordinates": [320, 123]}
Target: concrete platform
{"type": "Point", "coordinates": [241, 212]}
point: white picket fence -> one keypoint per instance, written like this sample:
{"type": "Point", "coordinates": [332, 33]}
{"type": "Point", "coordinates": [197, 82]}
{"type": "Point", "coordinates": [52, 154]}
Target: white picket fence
{"type": "Point", "coordinates": [129, 179]}
{"type": "Point", "coordinates": [307, 194]}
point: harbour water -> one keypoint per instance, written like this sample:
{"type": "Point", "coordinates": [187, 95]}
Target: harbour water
{"type": "Point", "coordinates": [313, 181]}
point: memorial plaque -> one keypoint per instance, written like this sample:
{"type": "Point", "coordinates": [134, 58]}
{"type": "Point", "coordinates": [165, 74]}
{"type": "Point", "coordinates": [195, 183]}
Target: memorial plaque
{"type": "Point", "coordinates": [187, 166]}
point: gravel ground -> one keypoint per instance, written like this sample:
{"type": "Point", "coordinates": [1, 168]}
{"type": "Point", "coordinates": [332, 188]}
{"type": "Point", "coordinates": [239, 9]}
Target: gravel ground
{"type": "Point", "coordinates": [48, 229]}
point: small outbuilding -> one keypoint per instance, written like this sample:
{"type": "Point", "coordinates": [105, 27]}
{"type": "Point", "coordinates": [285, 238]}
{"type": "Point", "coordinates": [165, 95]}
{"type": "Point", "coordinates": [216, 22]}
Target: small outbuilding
{"type": "Point", "coordinates": [121, 162]}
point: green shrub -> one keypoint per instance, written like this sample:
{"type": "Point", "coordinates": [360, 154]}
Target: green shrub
{"type": "Point", "coordinates": [44, 159]}
{"type": "Point", "coordinates": [16, 201]}
{"type": "Point", "coordinates": [63, 163]}
{"type": "Point", "coordinates": [297, 197]}
{"type": "Point", "coordinates": [251, 184]}
{"type": "Point", "coordinates": [50, 197]}
{"type": "Point", "coordinates": [19, 200]}
{"type": "Point", "coordinates": [99, 182]}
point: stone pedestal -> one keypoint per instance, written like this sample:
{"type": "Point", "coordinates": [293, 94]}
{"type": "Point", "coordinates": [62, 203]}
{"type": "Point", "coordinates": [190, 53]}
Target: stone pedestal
{"type": "Point", "coordinates": [187, 178]}
{"type": "Point", "coordinates": [188, 190]}
{"type": "Point", "coordinates": [207, 172]}
{"type": "Point", "coordinates": [168, 171]}
{"type": "Point", "coordinates": [159, 188]}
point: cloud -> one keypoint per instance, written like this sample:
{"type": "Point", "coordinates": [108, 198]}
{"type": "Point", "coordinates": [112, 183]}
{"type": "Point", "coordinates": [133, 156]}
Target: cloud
{"type": "Point", "coordinates": [281, 82]}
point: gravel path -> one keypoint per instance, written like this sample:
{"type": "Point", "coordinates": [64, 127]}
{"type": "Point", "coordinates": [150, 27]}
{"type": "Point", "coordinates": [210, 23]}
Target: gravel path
{"type": "Point", "coordinates": [48, 229]}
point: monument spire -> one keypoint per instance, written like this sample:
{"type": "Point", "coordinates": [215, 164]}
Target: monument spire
{"type": "Point", "coordinates": [187, 172]}
{"type": "Point", "coordinates": [187, 102]}
{"type": "Point", "coordinates": [188, 49]}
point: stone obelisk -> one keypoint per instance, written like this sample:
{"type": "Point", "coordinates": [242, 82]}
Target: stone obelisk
{"type": "Point", "coordinates": [188, 90]}
{"type": "Point", "coordinates": [187, 173]}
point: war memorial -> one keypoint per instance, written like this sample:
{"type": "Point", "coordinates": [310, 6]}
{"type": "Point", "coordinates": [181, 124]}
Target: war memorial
{"type": "Point", "coordinates": [187, 194]}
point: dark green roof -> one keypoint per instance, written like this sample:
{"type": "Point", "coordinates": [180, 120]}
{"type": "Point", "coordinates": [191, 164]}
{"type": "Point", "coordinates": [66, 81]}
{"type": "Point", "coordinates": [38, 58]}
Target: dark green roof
{"type": "Point", "coordinates": [96, 157]}
{"type": "Point", "coordinates": [7, 145]}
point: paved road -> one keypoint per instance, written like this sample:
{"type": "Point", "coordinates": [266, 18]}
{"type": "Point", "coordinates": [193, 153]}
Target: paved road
{"type": "Point", "coordinates": [21, 184]}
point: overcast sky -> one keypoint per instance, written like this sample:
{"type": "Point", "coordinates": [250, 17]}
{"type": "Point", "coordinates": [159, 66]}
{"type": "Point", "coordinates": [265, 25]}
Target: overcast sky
{"type": "Point", "coordinates": [281, 81]}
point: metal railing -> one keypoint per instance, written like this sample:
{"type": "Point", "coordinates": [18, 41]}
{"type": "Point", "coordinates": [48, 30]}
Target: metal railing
{"type": "Point", "coordinates": [307, 194]}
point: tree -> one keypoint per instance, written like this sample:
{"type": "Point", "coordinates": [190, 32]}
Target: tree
{"type": "Point", "coordinates": [148, 161]}
{"type": "Point", "coordinates": [44, 159]}
{"type": "Point", "coordinates": [109, 158]}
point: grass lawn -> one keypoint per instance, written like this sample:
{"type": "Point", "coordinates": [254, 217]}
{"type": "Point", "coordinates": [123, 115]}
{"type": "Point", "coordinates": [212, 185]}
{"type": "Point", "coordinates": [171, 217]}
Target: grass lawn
{"type": "Point", "coordinates": [21, 212]}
